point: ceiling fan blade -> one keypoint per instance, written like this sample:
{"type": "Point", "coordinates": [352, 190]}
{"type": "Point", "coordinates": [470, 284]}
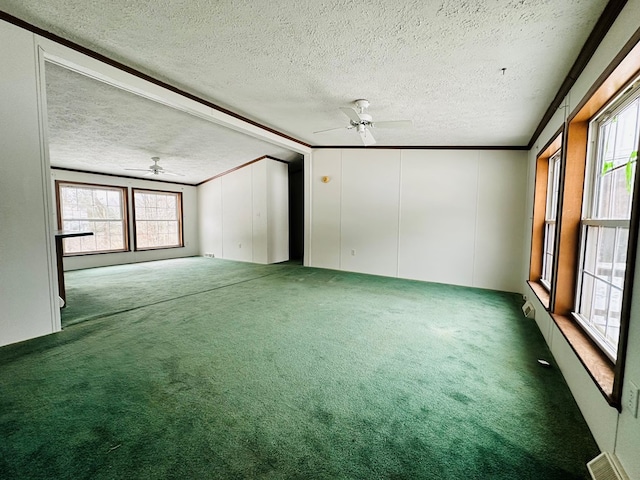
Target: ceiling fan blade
{"type": "Point", "coordinates": [367, 137]}
{"type": "Point", "coordinates": [332, 129]}
{"type": "Point", "coordinates": [393, 124]}
{"type": "Point", "coordinates": [137, 169]}
{"type": "Point", "coordinates": [352, 114]}
{"type": "Point", "coordinates": [173, 174]}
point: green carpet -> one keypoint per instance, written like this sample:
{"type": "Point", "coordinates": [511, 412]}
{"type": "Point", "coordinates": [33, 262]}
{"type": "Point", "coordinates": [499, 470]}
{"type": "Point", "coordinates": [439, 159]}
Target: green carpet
{"type": "Point", "coordinates": [204, 368]}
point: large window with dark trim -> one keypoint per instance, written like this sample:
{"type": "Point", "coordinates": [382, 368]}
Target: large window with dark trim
{"type": "Point", "coordinates": [613, 140]}
{"type": "Point", "coordinates": [598, 223]}
{"type": "Point", "coordinates": [100, 209]}
{"type": "Point", "coordinates": [551, 212]}
{"type": "Point", "coordinates": [158, 219]}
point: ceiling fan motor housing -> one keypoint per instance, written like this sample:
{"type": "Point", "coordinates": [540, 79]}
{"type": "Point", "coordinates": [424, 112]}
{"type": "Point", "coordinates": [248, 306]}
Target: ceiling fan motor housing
{"type": "Point", "coordinates": [362, 105]}
{"type": "Point", "coordinates": [365, 121]}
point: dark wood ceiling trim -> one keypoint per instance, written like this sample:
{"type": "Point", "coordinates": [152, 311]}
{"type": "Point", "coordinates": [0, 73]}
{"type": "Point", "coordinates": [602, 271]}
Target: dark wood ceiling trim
{"type": "Point", "coordinates": [429, 147]}
{"type": "Point", "coordinates": [602, 26]}
{"type": "Point", "coordinates": [618, 75]}
{"type": "Point", "coordinates": [239, 167]}
{"type": "Point", "coordinates": [553, 145]}
{"type": "Point", "coordinates": [102, 58]}
{"type": "Point", "coordinates": [64, 169]}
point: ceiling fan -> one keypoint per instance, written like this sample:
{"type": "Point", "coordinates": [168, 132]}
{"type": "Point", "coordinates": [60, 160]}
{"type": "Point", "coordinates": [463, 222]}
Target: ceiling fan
{"type": "Point", "coordinates": [363, 122]}
{"type": "Point", "coordinates": [155, 169]}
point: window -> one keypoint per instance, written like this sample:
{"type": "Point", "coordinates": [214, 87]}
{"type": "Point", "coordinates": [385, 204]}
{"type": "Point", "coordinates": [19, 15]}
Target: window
{"type": "Point", "coordinates": [96, 208]}
{"type": "Point", "coordinates": [158, 219]}
{"type": "Point", "coordinates": [606, 219]}
{"type": "Point", "coordinates": [551, 211]}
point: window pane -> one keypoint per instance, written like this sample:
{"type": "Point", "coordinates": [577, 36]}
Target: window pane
{"type": "Point", "coordinates": [620, 258]}
{"type": "Point", "coordinates": [553, 192]}
{"type": "Point", "coordinates": [613, 318]}
{"type": "Point", "coordinates": [604, 265]}
{"type": "Point", "coordinates": [99, 209]}
{"type": "Point", "coordinates": [599, 306]}
{"type": "Point", "coordinates": [626, 133]}
{"type": "Point", "coordinates": [621, 195]}
{"type": "Point", "coordinates": [603, 197]}
{"type": "Point", "coordinates": [157, 219]}
{"type": "Point", "coordinates": [549, 244]}
{"type": "Point", "coordinates": [586, 298]}
{"type": "Point", "coordinates": [591, 246]}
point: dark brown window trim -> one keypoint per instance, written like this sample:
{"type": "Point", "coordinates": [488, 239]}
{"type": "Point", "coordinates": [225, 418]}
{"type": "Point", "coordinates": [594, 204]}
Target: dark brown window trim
{"type": "Point", "coordinates": [101, 252]}
{"type": "Point", "coordinates": [159, 248]}
{"type": "Point", "coordinates": [180, 221]}
{"type": "Point", "coordinates": [125, 213]}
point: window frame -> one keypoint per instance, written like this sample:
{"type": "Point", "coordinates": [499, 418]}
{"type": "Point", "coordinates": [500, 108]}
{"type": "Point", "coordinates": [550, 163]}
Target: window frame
{"type": "Point", "coordinates": [607, 376]}
{"type": "Point", "coordinates": [592, 220]}
{"type": "Point", "coordinates": [59, 184]}
{"type": "Point", "coordinates": [552, 201]}
{"type": "Point", "coordinates": [179, 211]}
{"type": "Point", "coordinates": [539, 215]}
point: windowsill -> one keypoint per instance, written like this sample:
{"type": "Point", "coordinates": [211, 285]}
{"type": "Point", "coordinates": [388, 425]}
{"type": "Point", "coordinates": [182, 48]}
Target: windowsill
{"type": "Point", "coordinates": [102, 252]}
{"type": "Point", "coordinates": [163, 247]}
{"type": "Point", "coordinates": [598, 366]}
{"type": "Point", "coordinates": [540, 292]}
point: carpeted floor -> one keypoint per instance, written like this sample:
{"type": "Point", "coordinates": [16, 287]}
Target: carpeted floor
{"type": "Point", "coordinates": [203, 368]}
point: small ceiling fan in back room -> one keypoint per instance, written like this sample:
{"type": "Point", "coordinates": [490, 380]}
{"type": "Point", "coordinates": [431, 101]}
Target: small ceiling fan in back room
{"type": "Point", "coordinates": [155, 169]}
{"type": "Point", "coordinates": [362, 122]}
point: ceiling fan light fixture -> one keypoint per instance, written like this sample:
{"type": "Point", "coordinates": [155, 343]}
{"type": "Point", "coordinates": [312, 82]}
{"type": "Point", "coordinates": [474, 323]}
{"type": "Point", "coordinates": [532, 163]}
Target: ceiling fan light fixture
{"type": "Point", "coordinates": [155, 169]}
{"type": "Point", "coordinates": [363, 122]}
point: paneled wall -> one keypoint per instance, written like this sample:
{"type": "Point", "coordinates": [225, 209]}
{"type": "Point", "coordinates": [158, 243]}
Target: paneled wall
{"type": "Point", "coordinates": [448, 216]}
{"type": "Point", "coordinates": [244, 215]}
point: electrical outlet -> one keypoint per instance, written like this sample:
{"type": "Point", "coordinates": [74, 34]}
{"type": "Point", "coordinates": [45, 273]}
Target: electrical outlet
{"type": "Point", "coordinates": [632, 399]}
{"type": "Point", "coordinates": [353, 252]}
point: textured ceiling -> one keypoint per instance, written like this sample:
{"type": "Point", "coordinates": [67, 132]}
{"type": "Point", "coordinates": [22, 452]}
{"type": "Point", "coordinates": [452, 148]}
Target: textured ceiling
{"type": "Point", "coordinates": [100, 128]}
{"type": "Point", "coordinates": [291, 64]}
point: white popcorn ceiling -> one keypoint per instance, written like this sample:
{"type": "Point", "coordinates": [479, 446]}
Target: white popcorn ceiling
{"type": "Point", "coordinates": [97, 127]}
{"type": "Point", "coordinates": [291, 64]}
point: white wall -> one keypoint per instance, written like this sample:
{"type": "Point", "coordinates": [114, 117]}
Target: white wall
{"type": "Point", "coordinates": [322, 220]}
{"type": "Point", "coordinates": [436, 213]}
{"type": "Point", "coordinates": [369, 211]}
{"type": "Point", "coordinates": [210, 217]}
{"type": "Point", "coordinates": [613, 431]}
{"type": "Point", "coordinates": [449, 216]}
{"type": "Point", "coordinates": [237, 215]}
{"type": "Point", "coordinates": [244, 215]}
{"type": "Point", "coordinates": [27, 255]}
{"type": "Point", "coordinates": [189, 221]}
